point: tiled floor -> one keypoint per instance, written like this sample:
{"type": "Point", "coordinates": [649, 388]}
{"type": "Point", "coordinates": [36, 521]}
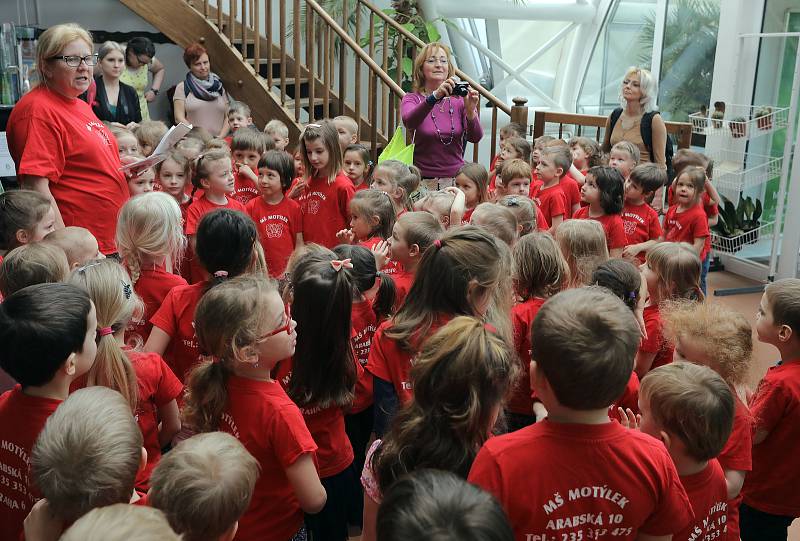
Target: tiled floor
{"type": "Point", "coordinates": [764, 355]}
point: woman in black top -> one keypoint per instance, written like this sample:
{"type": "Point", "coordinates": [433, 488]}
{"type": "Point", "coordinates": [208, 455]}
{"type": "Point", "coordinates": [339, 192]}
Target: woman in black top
{"type": "Point", "coordinates": [114, 101]}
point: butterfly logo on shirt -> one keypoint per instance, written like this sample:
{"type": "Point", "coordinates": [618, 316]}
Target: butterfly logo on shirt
{"type": "Point", "coordinates": [274, 231]}
{"type": "Point", "coordinates": [313, 207]}
{"type": "Point", "coordinates": [630, 227]}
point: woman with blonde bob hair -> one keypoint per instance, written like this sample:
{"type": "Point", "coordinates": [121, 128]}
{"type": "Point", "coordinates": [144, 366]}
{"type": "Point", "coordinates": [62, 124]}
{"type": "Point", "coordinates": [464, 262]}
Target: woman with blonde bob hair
{"type": "Point", "coordinates": [60, 148]}
{"type": "Point", "coordinates": [442, 120]}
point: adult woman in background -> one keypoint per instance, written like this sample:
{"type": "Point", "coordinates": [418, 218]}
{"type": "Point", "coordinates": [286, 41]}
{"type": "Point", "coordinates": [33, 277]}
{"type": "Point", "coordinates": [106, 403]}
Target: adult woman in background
{"type": "Point", "coordinates": [201, 99]}
{"type": "Point", "coordinates": [140, 59]}
{"type": "Point", "coordinates": [114, 101]}
{"type": "Point", "coordinates": [441, 123]}
{"type": "Point", "coordinates": [59, 146]}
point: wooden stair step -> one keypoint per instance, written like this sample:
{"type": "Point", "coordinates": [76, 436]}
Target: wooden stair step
{"type": "Point", "coordinates": [304, 102]}
{"type": "Point", "coordinates": [264, 61]}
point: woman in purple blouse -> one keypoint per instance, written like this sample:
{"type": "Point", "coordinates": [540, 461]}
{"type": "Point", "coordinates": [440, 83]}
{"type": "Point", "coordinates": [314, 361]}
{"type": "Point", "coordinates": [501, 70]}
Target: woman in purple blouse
{"type": "Point", "coordinates": [440, 123]}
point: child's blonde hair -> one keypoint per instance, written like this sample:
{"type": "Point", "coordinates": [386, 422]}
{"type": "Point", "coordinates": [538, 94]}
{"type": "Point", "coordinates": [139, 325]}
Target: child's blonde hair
{"type": "Point", "coordinates": [243, 301]}
{"type": "Point", "coordinates": [583, 244]}
{"type": "Point", "coordinates": [238, 108]}
{"type": "Point", "coordinates": [201, 167]}
{"type": "Point", "coordinates": [406, 177]}
{"type": "Point", "coordinates": [109, 286]}
{"type": "Point", "coordinates": [204, 485]}
{"type": "Point", "coordinates": [421, 228]}
{"type": "Point", "coordinates": [723, 334]}
{"type": "Point", "coordinates": [515, 168]}
{"type": "Point", "coordinates": [326, 132]}
{"type": "Point", "coordinates": [692, 402]}
{"type": "Point", "coordinates": [369, 203]}
{"type": "Point", "coordinates": [524, 209]}
{"type": "Point", "coordinates": [121, 522]}
{"type": "Point", "coordinates": [560, 155]}
{"type": "Point", "coordinates": [178, 157]}
{"type": "Point", "coordinates": [35, 263]}
{"type": "Point", "coordinates": [783, 297]}
{"type": "Point", "coordinates": [678, 269]}
{"type": "Point", "coordinates": [216, 143]}
{"type": "Point", "coordinates": [438, 203]}
{"type": "Point", "coordinates": [88, 453]}
{"type": "Point", "coordinates": [348, 123]}
{"type": "Point", "coordinates": [249, 139]}
{"type": "Point", "coordinates": [277, 127]}
{"type": "Point", "coordinates": [72, 240]}
{"type": "Point", "coordinates": [20, 210]}
{"type": "Point", "coordinates": [539, 267]}
{"type": "Point", "coordinates": [149, 228]}
{"type": "Point", "coordinates": [149, 133]}
{"type": "Point", "coordinates": [521, 146]}
{"type": "Point", "coordinates": [478, 174]}
{"type": "Point", "coordinates": [630, 149]}
{"type": "Point", "coordinates": [594, 155]}
{"type": "Point", "coordinates": [497, 220]}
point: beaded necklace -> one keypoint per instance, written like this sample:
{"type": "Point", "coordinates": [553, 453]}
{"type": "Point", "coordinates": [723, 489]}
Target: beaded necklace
{"type": "Point", "coordinates": [452, 122]}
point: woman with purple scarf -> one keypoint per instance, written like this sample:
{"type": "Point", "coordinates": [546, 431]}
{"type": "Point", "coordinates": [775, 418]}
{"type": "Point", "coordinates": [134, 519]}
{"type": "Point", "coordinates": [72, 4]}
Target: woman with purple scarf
{"type": "Point", "coordinates": [200, 99]}
{"type": "Point", "coordinates": [441, 122]}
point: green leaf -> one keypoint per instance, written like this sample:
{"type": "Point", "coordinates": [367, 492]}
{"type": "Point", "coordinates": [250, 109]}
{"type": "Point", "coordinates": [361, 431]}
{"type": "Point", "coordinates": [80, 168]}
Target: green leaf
{"type": "Point", "coordinates": [757, 212]}
{"type": "Point", "coordinates": [389, 11]}
{"type": "Point", "coordinates": [410, 27]}
{"type": "Point", "coordinates": [408, 66]}
{"type": "Point", "coordinates": [433, 33]}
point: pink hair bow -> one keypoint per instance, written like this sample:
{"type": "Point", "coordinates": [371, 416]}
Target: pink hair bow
{"type": "Point", "coordinates": [339, 264]}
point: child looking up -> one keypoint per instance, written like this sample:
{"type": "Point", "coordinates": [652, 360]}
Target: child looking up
{"type": "Point", "coordinates": [151, 244]}
{"type": "Point", "coordinates": [232, 391]}
{"type": "Point", "coordinates": [639, 219]}
{"type": "Point", "coordinates": [714, 336]}
{"type": "Point", "coordinates": [551, 197]}
{"type": "Point", "coordinates": [55, 324]}
{"type": "Point", "coordinates": [544, 474]}
{"type": "Point", "coordinates": [247, 147]}
{"type": "Point", "coordinates": [690, 409]}
{"type": "Point", "coordinates": [771, 499]}
{"type": "Point", "coordinates": [358, 166]}
{"type": "Point", "coordinates": [25, 216]}
{"type": "Point", "coordinates": [399, 180]}
{"type": "Point", "coordinates": [278, 132]}
{"type": "Point", "coordinates": [412, 234]}
{"type": "Point", "coordinates": [472, 179]}
{"type": "Point", "coordinates": [539, 272]}
{"type": "Point", "coordinates": [602, 191]}
{"type": "Point", "coordinates": [327, 192]}
{"type": "Point", "coordinates": [624, 156]}
{"type": "Point", "coordinates": [278, 218]}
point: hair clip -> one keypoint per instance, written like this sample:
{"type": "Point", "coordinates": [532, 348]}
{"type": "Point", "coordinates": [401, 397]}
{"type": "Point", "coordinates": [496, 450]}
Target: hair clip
{"type": "Point", "coordinates": [221, 274]}
{"type": "Point", "coordinates": [312, 126]}
{"type": "Point", "coordinates": [632, 295]}
{"type": "Point", "coordinates": [126, 289]}
{"type": "Point", "coordinates": [338, 264]}
{"type": "Point", "coordinates": [437, 243]}
{"type": "Point", "coordinates": [105, 331]}
{"type": "Point", "coordinates": [89, 265]}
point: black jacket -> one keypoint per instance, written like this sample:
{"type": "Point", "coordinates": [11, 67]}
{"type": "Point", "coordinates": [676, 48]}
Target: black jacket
{"type": "Point", "coordinates": [127, 104]}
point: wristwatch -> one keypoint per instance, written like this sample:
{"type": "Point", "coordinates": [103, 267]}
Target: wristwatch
{"type": "Point", "coordinates": [154, 91]}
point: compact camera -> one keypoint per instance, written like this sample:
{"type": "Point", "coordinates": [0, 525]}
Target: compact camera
{"type": "Point", "coordinates": [461, 89]}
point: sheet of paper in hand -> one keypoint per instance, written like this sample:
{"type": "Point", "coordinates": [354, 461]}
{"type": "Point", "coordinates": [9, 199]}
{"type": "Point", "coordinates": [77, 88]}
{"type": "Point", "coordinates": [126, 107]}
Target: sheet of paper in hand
{"type": "Point", "coordinates": [170, 139]}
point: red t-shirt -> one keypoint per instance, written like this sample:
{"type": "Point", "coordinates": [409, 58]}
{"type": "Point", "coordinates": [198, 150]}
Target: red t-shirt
{"type": "Point", "coordinates": [362, 186]}
{"type": "Point", "coordinates": [244, 189]}
{"type": "Point", "coordinates": [772, 485]}
{"type": "Point", "coordinates": [571, 190]}
{"type": "Point", "coordinates": [656, 342]}
{"type": "Point", "coordinates": [22, 417]}
{"type": "Point", "coordinates": [711, 209]}
{"type": "Point", "coordinates": [176, 318]}
{"type": "Point", "coordinates": [553, 203]}
{"type": "Point", "coordinates": [574, 481]}
{"type": "Point", "coordinates": [536, 186]}
{"type": "Point", "coordinates": [393, 364]}
{"type": "Point", "coordinates": [629, 398]}
{"type": "Point", "coordinates": [403, 280]}
{"type": "Point", "coordinates": [707, 491]}
{"type": "Point", "coordinates": [612, 226]}
{"type": "Point", "coordinates": [641, 224]}
{"type": "Point", "coordinates": [364, 325]}
{"type": "Point", "coordinates": [522, 315]}
{"type": "Point", "coordinates": [467, 216]}
{"type": "Point", "coordinates": [687, 226]}
{"type": "Point", "coordinates": [278, 227]}
{"type": "Point", "coordinates": [541, 221]}
{"type": "Point", "coordinates": [334, 451]}
{"type": "Point", "coordinates": [152, 287]}
{"type": "Point", "coordinates": [325, 209]}
{"type": "Point", "coordinates": [272, 429]}
{"type": "Point", "coordinates": [202, 206]}
{"type": "Point", "coordinates": [61, 139]}
{"type": "Point", "coordinates": [738, 455]}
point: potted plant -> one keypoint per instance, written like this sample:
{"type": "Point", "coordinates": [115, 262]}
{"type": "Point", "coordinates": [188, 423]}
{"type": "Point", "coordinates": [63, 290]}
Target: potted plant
{"type": "Point", "coordinates": [737, 225]}
{"type": "Point", "coordinates": [763, 116]}
{"type": "Point", "coordinates": [716, 118]}
{"type": "Point", "coordinates": [738, 127]}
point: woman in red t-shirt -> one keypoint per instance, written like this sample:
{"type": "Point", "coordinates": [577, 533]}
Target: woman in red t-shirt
{"type": "Point", "coordinates": [233, 391]}
{"type": "Point", "coordinates": [603, 191]}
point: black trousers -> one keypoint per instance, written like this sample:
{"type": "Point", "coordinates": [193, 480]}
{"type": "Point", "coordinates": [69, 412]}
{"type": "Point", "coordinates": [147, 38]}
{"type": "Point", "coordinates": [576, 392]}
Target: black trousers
{"type": "Point", "coordinates": [755, 525]}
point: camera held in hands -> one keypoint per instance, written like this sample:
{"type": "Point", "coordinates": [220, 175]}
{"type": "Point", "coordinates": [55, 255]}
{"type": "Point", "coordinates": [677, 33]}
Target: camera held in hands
{"type": "Point", "coordinates": [461, 89]}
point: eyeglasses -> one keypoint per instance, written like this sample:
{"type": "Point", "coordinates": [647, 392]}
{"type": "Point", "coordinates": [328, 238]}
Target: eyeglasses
{"type": "Point", "coordinates": [433, 61]}
{"type": "Point", "coordinates": [286, 325]}
{"type": "Point", "coordinates": [74, 61]}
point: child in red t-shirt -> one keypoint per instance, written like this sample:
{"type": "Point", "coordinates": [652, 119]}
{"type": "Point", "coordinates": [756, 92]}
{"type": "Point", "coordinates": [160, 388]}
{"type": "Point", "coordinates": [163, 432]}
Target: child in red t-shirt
{"type": "Point", "coordinates": [583, 245]}
{"type": "Point", "coordinates": [227, 246]}
{"type": "Point", "coordinates": [27, 216]}
{"type": "Point", "coordinates": [516, 177]}
{"type": "Point", "coordinates": [572, 190]}
{"type": "Point", "coordinates": [243, 347]}
{"type": "Point", "coordinates": [512, 129]}
{"type": "Point", "coordinates": [278, 218]}
{"type": "Point", "coordinates": [247, 147]}
{"type": "Point", "coordinates": [671, 272]}
{"type": "Point", "coordinates": [686, 221]}
{"type": "Point", "coordinates": [690, 409]}
{"type": "Point", "coordinates": [150, 241]}
{"type": "Point", "coordinates": [771, 500]}
{"type": "Point", "coordinates": [211, 173]}
{"type": "Point", "coordinates": [472, 179]}
{"type": "Point", "coordinates": [513, 148]}
{"type": "Point", "coordinates": [371, 219]}
{"type": "Point", "coordinates": [143, 379]}
{"type": "Point", "coordinates": [577, 474]}
{"type": "Point", "coordinates": [640, 221]}
{"type": "Point", "coordinates": [54, 325]}
{"type": "Point", "coordinates": [552, 200]}
{"type": "Point", "coordinates": [602, 192]}
{"type": "Point", "coordinates": [327, 192]}
{"type": "Point", "coordinates": [412, 234]}
{"type": "Point", "coordinates": [529, 215]}
{"type": "Point", "coordinates": [717, 337]}
{"type": "Point", "coordinates": [586, 153]}
{"type": "Point", "coordinates": [324, 373]}
{"type": "Point", "coordinates": [172, 176]}
{"type": "Point", "coordinates": [204, 485]}
{"type": "Point", "coordinates": [358, 166]}
{"type": "Point", "coordinates": [458, 275]}
{"type": "Point", "coordinates": [624, 157]}
{"type": "Point", "coordinates": [539, 272]}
